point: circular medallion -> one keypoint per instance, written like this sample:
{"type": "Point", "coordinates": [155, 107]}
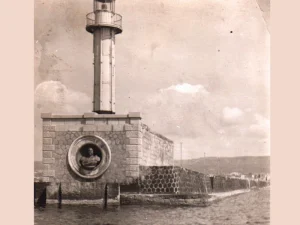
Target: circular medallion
{"type": "Point", "coordinates": [89, 156]}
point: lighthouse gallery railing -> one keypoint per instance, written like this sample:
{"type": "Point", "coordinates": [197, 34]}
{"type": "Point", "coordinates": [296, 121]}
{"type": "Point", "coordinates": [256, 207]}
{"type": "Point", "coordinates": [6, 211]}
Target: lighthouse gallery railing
{"type": "Point", "coordinates": [105, 17]}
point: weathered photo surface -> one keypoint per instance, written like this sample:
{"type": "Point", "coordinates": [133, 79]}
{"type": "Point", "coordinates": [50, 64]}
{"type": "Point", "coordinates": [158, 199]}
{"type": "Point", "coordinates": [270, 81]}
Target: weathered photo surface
{"type": "Point", "coordinates": [152, 112]}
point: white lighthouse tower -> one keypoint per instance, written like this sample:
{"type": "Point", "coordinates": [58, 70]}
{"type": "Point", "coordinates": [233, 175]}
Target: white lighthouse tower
{"type": "Point", "coordinates": [104, 24]}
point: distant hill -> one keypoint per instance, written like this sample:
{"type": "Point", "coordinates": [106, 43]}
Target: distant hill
{"type": "Point", "coordinates": [214, 165]}
{"type": "Point", "coordinates": [225, 165]}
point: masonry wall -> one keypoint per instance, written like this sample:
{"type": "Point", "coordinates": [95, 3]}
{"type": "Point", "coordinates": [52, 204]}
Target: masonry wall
{"type": "Point", "coordinates": [123, 135]}
{"type": "Point", "coordinates": [169, 179]}
{"type": "Point", "coordinates": [259, 183]}
{"type": "Point", "coordinates": [177, 180]}
{"type": "Point", "coordinates": [193, 182]}
{"type": "Point", "coordinates": [157, 150]}
{"type": "Point", "coordinates": [223, 184]}
{"type": "Point", "coordinates": [158, 180]}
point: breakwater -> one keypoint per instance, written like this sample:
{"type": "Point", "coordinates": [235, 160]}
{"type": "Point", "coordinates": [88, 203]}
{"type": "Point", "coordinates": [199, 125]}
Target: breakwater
{"type": "Point", "coordinates": [166, 199]}
{"type": "Point", "coordinates": [169, 185]}
{"type": "Point", "coordinates": [177, 180]}
{"type": "Point", "coordinates": [176, 186]}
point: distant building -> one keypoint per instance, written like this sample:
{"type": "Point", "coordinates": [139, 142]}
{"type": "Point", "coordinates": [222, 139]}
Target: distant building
{"type": "Point", "coordinates": [261, 176]}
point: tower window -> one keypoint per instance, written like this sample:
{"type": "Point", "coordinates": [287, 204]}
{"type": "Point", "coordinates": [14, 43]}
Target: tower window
{"type": "Point", "coordinates": [104, 6]}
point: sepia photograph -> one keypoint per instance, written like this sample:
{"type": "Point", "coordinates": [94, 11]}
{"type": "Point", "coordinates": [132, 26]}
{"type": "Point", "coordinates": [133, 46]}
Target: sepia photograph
{"type": "Point", "coordinates": [152, 112]}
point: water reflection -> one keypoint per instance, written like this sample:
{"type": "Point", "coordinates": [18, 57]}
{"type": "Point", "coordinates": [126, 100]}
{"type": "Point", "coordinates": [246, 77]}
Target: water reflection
{"type": "Point", "coordinates": [248, 208]}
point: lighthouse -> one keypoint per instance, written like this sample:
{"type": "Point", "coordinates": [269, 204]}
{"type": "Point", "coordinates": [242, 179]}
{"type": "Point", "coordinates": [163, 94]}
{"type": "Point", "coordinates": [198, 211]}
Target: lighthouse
{"type": "Point", "coordinates": [104, 24]}
{"type": "Point", "coordinates": [104, 150]}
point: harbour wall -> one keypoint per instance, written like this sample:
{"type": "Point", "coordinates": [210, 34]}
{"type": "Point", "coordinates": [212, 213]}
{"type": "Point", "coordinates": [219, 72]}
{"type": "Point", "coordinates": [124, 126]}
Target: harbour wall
{"type": "Point", "coordinates": [141, 160]}
{"type": "Point", "coordinates": [177, 180]}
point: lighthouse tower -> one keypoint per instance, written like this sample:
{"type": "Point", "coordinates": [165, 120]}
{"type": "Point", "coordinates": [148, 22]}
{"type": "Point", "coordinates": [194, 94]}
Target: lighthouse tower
{"type": "Point", "coordinates": [104, 24]}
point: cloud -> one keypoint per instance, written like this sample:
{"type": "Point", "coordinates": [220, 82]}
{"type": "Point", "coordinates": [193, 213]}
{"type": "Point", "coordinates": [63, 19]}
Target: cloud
{"type": "Point", "coordinates": [167, 111]}
{"type": "Point", "coordinates": [186, 88]}
{"type": "Point", "coordinates": [55, 96]}
{"type": "Point", "coordinates": [232, 115]}
{"type": "Point", "coordinates": [261, 127]}
{"type": "Point", "coordinates": [37, 55]}
{"type": "Point", "coordinates": [193, 112]}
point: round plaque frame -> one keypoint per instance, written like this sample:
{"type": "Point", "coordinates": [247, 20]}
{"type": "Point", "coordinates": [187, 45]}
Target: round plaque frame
{"type": "Point", "coordinates": [101, 145]}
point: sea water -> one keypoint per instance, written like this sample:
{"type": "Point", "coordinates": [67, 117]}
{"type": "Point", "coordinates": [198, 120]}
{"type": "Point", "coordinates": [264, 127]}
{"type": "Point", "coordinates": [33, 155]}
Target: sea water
{"type": "Point", "coordinates": [248, 208]}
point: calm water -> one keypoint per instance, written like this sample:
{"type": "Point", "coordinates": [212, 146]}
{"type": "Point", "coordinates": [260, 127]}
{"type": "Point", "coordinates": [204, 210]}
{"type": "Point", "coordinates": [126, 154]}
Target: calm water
{"type": "Point", "coordinates": [248, 208]}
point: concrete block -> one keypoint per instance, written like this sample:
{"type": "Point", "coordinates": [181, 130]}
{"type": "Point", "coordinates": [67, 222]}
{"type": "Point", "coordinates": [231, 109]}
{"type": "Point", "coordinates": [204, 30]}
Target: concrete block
{"type": "Point", "coordinates": [134, 141]}
{"type": "Point", "coordinates": [72, 121]}
{"type": "Point", "coordinates": [135, 121]}
{"type": "Point", "coordinates": [132, 161]}
{"type": "Point", "coordinates": [134, 114]}
{"type": "Point", "coordinates": [132, 154]}
{"type": "Point", "coordinates": [132, 174]}
{"type": "Point", "coordinates": [48, 128]}
{"type": "Point", "coordinates": [46, 167]}
{"type": "Point", "coordinates": [74, 127]}
{"type": "Point", "coordinates": [118, 127]}
{"type": "Point", "coordinates": [134, 134]}
{"type": "Point", "coordinates": [46, 122]}
{"type": "Point", "coordinates": [46, 115]}
{"type": "Point", "coordinates": [66, 116]}
{"type": "Point", "coordinates": [113, 121]}
{"type": "Point", "coordinates": [133, 127]}
{"type": "Point", "coordinates": [89, 115]}
{"type": "Point", "coordinates": [47, 134]}
{"type": "Point", "coordinates": [47, 141]}
{"type": "Point", "coordinates": [61, 127]}
{"type": "Point", "coordinates": [104, 127]}
{"type": "Point", "coordinates": [133, 147]}
{"type": "Point", "coordinates": [89, 121]}
{"type": "Point", "coordinates": [45, 179]}
{"type": "Point", "coordinates": [124, 120]}
{"type": "Point", "coordinates": [89, 128]}
{"type": "Point", "coordinates": [100, 121]}
{"type": "Point", "coordinates": [48, 147]}
{"type": "Point", "coordinates": [49, 173]}
{"type": "Point", "coordinates": [58, 122]}
{"type": "Point", "coordinates": [48, 160]}
{"type": "Point", "coordinates": [47, 154]}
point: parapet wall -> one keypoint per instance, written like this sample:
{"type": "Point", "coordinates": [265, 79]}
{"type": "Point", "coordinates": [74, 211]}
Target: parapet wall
{"type": "Point", "coordinates": [177, 180]}
{"type": "Point", "coordinates": [169, 179]}
{"type": "Point", "coordinates": [193, 182]}
{"type": "Point", "coordinates": [158, 180]}
{"type": "Point", "coordinates": [223, 184]}
{"type": "Point", "coordinates": [157, 150]}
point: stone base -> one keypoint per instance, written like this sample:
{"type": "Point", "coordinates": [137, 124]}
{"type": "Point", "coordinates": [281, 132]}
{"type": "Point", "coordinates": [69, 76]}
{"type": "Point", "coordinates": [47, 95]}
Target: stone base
{"type": "Point", "coordinates": [130, 145]}
{"type": "Point", "coordinates": [169, 200]}
{"type": "Point", "coordinates": [99, 202]}
{"type": "Point", "coordinates": [111, 194]}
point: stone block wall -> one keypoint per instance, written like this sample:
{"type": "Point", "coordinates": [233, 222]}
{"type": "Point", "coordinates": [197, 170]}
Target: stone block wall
{"type": "Point", "coordinates": [157, 150]}
{"type": "Point", "coordinates": [158, 180]}
{"type": "Point", "coordinates": [193, 182]}
{"type": "Point", "coordinates": [259, 183]}
{"type": "Point", "coordinates": [177, 180]}
{"type": "Point", "coordinates": [121, 132]}
{"type": "Point", "coordinates": [131, 143]}
{"type": "Point", "coordinates": [169, 179]}
{"type": "Point", "coordinates": [223, 184]}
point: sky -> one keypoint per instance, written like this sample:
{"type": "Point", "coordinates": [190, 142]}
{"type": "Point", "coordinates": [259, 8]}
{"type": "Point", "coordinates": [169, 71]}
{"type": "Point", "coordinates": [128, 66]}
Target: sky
{"type": "Point", "coordinates": [198, 71]}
